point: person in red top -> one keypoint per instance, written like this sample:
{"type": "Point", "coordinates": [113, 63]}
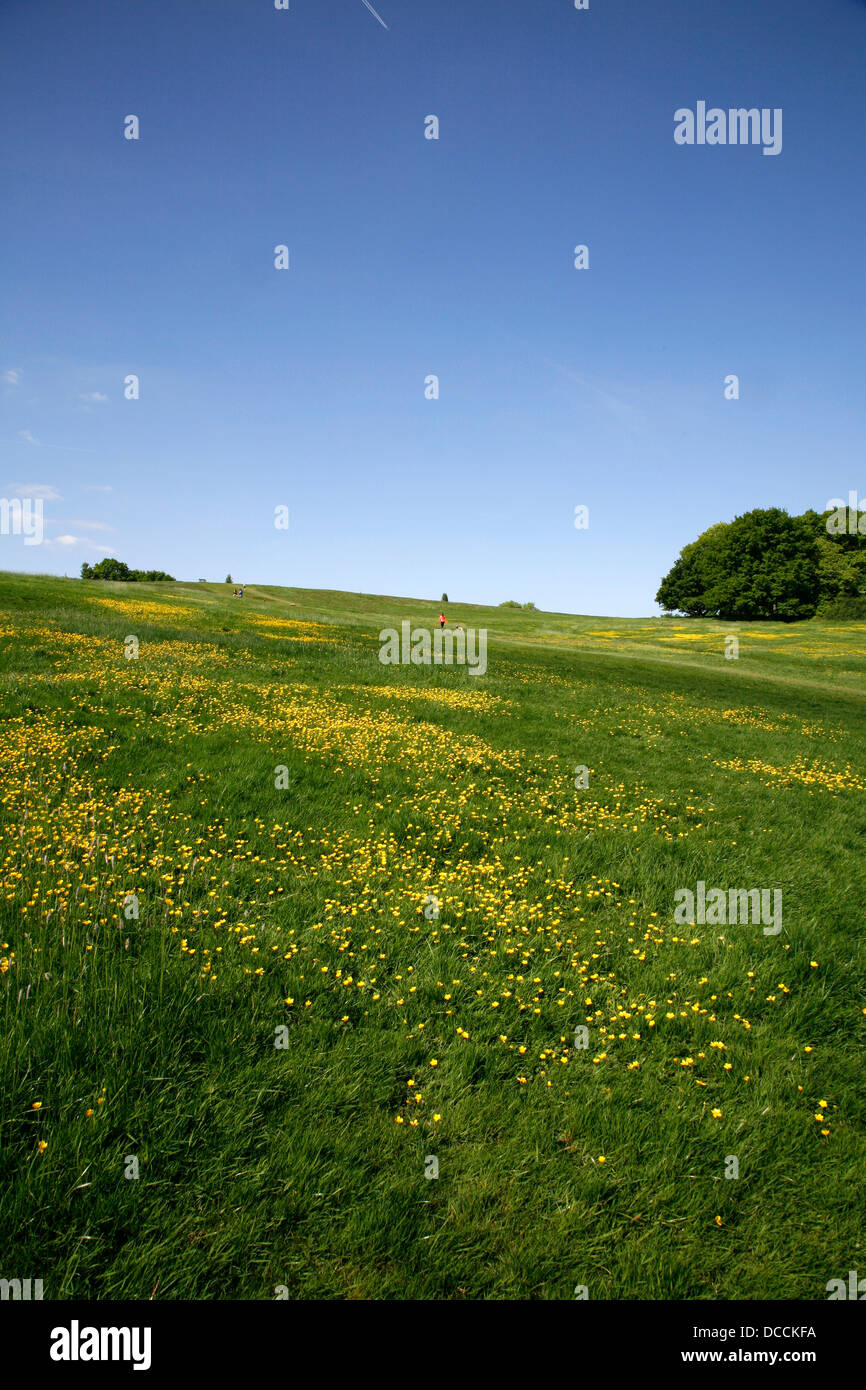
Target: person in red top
{"type": "Point", "coordinates": [441, 620]}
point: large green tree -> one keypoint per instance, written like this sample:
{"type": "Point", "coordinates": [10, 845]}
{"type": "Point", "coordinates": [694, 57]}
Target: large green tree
{"type": "Point", "coordinates": [763, 564]}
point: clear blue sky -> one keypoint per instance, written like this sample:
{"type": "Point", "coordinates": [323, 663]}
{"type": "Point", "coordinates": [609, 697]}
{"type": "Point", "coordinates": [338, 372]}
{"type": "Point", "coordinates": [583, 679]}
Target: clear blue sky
{"type": "Point", "coordinates": [409, 256]}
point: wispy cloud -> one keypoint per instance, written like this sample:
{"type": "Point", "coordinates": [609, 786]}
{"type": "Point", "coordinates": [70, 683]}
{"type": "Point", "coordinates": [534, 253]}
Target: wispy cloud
{"type": "Point", "coordinates": [95, 396]}
{"type": "Point", "coordinates": [12, 376]}
{"type": "Point", "coordinates": [97, 487]}
{"type": "Point", "coordinates": [43, 490]}
{"type": "Point", "coordinates": [27, 437]}
{"type": "Point", "coordinates": [88, 525]}
{"type": "Point", "coordinates": [614, 404]}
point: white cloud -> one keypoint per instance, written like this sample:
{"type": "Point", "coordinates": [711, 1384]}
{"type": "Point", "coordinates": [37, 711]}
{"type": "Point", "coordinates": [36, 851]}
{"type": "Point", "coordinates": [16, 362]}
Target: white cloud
{"type": "Point", "coordinates": [27, 437]}
{"type": "Point", "coordinates": [82, 541]}
{"type": "Point", "coordinates": [43, 490]}
{"type": "Point", "coordinates": [12, 377]}
{"type": "Point", "coordinates": [92, 396]}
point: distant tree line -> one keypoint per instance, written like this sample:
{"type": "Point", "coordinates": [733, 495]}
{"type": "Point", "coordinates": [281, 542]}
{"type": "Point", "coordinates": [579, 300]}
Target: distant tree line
{"type": "Point", "coordinates": [109, 568]}
{"type": "Point", "coordinates": [766, 564]}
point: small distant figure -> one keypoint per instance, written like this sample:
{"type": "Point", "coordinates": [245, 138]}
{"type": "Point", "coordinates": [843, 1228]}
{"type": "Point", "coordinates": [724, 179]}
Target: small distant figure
{"type": "Point", "coordinates": [241, 592]}
{"type": "Point", "coordinates": [234, 593]}
{"type": "Point", "coordinates": [441, 620]}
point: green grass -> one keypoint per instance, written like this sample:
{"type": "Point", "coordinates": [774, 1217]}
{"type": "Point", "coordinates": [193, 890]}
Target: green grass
{"type": "Point", "coordinates": [262, 1167]}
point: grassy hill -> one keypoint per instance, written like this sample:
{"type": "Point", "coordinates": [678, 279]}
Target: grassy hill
{"type": "Point", "coordinates": [284, 924]}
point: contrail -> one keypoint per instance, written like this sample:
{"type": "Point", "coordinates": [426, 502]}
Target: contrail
{"type": "Point", "coordinates": [373, 12]}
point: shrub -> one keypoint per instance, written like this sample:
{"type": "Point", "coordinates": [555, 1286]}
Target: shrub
{"type": "Point", "coordinates": [849, 608]}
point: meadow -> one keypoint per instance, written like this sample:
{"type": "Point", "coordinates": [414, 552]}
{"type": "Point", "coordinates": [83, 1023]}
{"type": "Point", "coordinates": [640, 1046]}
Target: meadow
{"type": "Point", "coordinates": [283, 925]}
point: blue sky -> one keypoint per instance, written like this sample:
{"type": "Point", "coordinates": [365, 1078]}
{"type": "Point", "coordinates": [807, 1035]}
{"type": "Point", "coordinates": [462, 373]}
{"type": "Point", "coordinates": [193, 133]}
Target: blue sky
{"type": "Point", "coordinates": [408, 257]}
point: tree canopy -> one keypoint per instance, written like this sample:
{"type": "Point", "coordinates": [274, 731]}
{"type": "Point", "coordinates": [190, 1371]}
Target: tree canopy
{"type": "Point", "coordinates": [766, 564]}
{"type": "Point", "coordinates": [110, 568]}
